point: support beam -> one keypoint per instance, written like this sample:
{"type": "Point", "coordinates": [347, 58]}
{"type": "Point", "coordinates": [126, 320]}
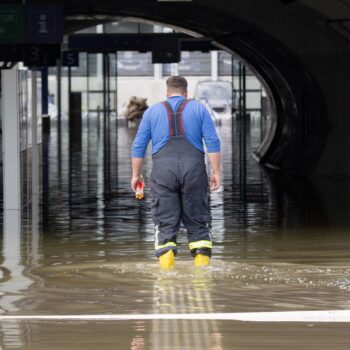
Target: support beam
{"type": "Point", "coordinates": [11, 139]}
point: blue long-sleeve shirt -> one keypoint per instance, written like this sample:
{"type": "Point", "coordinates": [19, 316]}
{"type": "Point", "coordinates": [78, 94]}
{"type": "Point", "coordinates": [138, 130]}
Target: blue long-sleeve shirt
{"type": "Point", "coordinates": [154, 126]}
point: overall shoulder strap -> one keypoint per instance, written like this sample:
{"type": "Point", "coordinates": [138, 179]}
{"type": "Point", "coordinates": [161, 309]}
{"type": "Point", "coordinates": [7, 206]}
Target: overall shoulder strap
{"type": "Point", "coordinates": [171, 117]}
{"type": "Point", "coordinates": [179, 115]}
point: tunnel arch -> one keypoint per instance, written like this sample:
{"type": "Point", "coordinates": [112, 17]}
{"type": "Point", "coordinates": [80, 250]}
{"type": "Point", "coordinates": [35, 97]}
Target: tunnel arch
{"type": "Point", "coordinates": [298, 127]}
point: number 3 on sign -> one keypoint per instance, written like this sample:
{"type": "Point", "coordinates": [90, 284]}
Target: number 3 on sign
{"type": "Point", "coordinates": [34, 53]}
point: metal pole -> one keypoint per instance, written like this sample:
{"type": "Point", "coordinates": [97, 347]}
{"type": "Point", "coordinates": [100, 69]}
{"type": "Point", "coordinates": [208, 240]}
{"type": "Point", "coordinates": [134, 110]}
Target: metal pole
{"type": "Point", "coordinates": [69, 106]}
{"type": "Point", "coordinates": [59, 97]}
{"type": "Point", "coordinates": [116, 124]}
{"type": "Point", "coordinates": [35, 158]}
{"type": "Point", "coordinates": [244, 85]}
{"type": "Point", "coordinates": [35, 162]}
{"type": "Point", "coordinates": [88, 81]}
{"type": "Point", "coordinates": [240, 88]}
{"type": "Point", "coordinates": [105, 144]}
{"type": "Point", "coordinates": [232, 86]}
{"type": "Point", "coordinates": [108, 123]}
{"type": "Point", "coordinates": [69, 89]}
{"type": "Point", "coordinates": [232, 118]}
{"type": "Point", "coordinates": [59, 124]}
{"type": "Point", "coordinates": [232, 78]}
{"type": "Point", "coordinates": [104, 86]}
{"type": "Point", "coordinates": [108, 83]}
{"type": "Point", "coordinates": [44, 91]}
{"type": "Point", "coordinates": [116, 84]}
{"type": "Point", "coordinates": [244, 160]}
{"type": "Point", "coordinates": [261, 112]}
{"type": "Point", "coordinates": [244, 104]}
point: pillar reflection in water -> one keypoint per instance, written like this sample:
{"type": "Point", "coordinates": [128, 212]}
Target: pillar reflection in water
{"type": "Point", "coordinates": [173, 295]}
{"type": "Point", "coordinates": [13, 280]}
{"type": "Point", "coordinates": [35, 232]}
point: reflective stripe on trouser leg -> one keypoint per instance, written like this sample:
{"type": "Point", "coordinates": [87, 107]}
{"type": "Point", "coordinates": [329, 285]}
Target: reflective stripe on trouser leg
{"type": "Point", "coordinates": [201, 247]}
{"type": "Point", "coordinates": [160, 249]}
{"type": "Point", "coordinates": [201, 244]}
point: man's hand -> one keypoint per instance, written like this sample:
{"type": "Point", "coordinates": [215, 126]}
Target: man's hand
{"type": "Point", "coordinates": [214, 182]}
{"type": "Point", "coordinates": [215, 162]}
{"type": "Point", "coordinates": [134, 182]}
{"type": "Point", "coordinates": [136, 164]}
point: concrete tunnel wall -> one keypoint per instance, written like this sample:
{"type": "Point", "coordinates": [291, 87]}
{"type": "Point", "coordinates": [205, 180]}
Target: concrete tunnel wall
{"type": "Point", "coordinates": [302, 61]}
{"type": "Point", "coordinates": [325, 56]}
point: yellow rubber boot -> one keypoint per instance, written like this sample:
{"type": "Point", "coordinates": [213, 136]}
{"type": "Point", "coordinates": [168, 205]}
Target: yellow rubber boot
{"type": "Point", "coordinates": [167, 260]}
{"type": "Point", "coordinates": [201, 260]}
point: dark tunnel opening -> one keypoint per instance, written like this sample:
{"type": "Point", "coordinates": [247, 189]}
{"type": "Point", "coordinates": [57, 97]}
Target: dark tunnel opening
{"type": "Point", "coordinates": [298, 126]}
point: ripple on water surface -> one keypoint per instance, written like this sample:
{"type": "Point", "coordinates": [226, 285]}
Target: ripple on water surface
{"type": "Point", "coordinates": [223, 287]}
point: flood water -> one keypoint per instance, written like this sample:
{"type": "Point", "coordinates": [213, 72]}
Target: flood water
{"type": "Point", "coordinates": [85, 246]}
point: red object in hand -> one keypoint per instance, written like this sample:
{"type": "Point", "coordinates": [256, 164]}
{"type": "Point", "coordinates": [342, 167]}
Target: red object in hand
{"type": "Point", "coordinates": [139, 189]}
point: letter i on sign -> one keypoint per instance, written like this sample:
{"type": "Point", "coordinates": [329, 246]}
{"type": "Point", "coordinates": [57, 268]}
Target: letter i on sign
{"type": "Point", "coordinates": [43, 24]}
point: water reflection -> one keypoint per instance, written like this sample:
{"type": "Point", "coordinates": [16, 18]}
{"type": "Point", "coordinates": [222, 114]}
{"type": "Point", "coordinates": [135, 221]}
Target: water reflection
{"type": "Point", "coordinates": [13, 282]}
{"type": "Point", "coordinates": [13, 265]}
{"type": "Point", "coordinates": [139, 287]}
{"type": "Point", "coordinates": [193, 296]}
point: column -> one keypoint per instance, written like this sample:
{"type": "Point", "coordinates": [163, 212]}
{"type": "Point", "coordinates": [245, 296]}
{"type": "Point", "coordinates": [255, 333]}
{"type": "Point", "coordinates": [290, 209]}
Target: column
{"type": "Point", "coordinates": [158, 67]}
{"type": "Point", "coordinates": [35, 156]}
{"type": "Point", "coordinates": [11, 139]}
{"type": "Point", "coordinates": [214, 66]}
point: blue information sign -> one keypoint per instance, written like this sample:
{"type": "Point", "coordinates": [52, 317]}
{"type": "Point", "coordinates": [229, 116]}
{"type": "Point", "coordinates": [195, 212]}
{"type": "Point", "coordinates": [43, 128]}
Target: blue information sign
{"type": "Point", "coordinates": [43, 24]}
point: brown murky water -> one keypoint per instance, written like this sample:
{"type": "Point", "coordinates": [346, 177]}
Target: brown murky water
{"type": "Point", "coordinates": [281, 244]}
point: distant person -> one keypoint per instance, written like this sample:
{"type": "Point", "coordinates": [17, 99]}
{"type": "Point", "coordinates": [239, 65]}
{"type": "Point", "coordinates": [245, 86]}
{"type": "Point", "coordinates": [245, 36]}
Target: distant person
{"type": "Point", "coordinates": [179, 180]}
{"type": "Point", "coordinates": [135, 108]}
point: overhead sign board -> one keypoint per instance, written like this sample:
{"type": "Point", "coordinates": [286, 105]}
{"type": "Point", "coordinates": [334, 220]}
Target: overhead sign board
{"type": "Point", "coordinates": [136, 42]}
{"type": "Point", "coordinates": [166, 51]}
{"type": "Point", "coordinates": [31, 24]}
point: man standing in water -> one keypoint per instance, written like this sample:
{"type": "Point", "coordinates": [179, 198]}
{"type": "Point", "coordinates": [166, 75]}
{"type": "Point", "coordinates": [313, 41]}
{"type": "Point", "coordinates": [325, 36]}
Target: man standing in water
{"type": "Point", "coordinates": [179, 181]}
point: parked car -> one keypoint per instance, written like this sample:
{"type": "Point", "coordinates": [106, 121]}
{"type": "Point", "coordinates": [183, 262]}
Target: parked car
{"type": "Point", "coordinates": [217, 95]}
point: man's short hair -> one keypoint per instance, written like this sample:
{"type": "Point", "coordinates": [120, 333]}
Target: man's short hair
{"type": "Point", "coordinates": [177, 83]}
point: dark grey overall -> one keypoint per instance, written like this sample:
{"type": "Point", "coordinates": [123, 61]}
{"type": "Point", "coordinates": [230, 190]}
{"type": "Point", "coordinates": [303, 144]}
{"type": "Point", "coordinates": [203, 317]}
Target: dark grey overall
{"type": "Point", "coordinates": [179, 185]}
